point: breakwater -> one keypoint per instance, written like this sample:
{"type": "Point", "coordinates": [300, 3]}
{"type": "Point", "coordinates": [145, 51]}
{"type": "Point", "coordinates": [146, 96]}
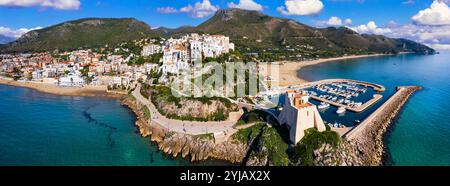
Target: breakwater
{"type": "Point", "coordinates": [368, 137]}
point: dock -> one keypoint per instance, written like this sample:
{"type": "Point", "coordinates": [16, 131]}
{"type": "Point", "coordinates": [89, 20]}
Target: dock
{"type": "Point", "coordinates": [363, 107]}
{"type": "Point", "coordinates": [376, 87]}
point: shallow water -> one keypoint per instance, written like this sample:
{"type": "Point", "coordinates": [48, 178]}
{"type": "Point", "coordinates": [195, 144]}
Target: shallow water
{"type": "Point", "coordinates": [44, 129]}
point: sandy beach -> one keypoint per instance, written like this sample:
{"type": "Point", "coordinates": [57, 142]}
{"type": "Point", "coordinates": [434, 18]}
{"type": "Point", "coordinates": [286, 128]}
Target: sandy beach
{"type": "Point", "coordinates": [289, 70]}
{"type": "Point", "coordinates": [62, 91]}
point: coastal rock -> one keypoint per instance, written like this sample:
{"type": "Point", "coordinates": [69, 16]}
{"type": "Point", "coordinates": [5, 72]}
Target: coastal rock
{"type": "Point", "coordinates": [342, 155]}
{"type": "Point", "coordinates": [177, 144]}
{"type": "Point", "coordinates": [368, 142]}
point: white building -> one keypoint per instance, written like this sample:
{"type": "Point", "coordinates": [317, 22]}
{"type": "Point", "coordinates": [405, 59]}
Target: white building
{"type": "Point", "coordinates": [151, 50]}
{"type": "Point", "coordinates": [299, 114]}
{"type": "Point", "coordinates": [37, 75]}
{"type": "Point", "coordinates": [195, 48]}
{"type": "Point", "coordinates": [123, 80]}
{"type": "Point", "coordinates": [150, 67]}
{"type": "Point", "coordinates": [71, 81]}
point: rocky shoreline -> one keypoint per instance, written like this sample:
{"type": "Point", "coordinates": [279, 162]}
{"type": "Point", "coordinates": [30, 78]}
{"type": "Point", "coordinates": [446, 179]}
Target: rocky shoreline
{"type": "Point", "coordinates": [367, 141]}
{"type": "Point", "coordinates": [197, 148]}
{"type": "Point", "coordinates": [363, 146]}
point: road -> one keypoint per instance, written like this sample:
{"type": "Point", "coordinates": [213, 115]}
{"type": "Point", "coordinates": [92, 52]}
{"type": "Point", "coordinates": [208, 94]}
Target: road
{"type": "Point", "coordinates": [188, 127]}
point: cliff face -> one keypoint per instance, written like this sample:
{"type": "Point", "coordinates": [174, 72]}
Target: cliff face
{"type": "Point", "coordinates": [193, 108]}
{"type": "Point", "coordinates": [202, 149]}
{"type": "Point", "coordinates": [343, 155]}
{"type": "Point", "coordinates": [196, 147]}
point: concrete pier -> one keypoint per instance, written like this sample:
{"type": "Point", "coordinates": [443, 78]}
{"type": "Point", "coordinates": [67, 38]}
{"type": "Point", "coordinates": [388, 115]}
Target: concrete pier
{"type": "Point", "coordinates": [368, 136]}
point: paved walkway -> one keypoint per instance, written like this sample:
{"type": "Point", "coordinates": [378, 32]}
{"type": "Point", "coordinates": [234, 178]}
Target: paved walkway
{"type": "Point", "coordinates": [188, 127]}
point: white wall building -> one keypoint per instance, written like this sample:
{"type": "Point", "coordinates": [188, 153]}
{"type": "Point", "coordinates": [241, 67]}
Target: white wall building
{"type": "Point", "coordinates": [299, 114]}
{"type": "Point", "coordinates": [71, 81]}
{"type": "Point", "coordinates": [151, 50]}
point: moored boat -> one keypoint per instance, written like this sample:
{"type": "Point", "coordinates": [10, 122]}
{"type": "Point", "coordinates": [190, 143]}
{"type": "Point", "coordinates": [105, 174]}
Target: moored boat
{"type": "Point", "coordinates": [323, 106]}
{"type": "Point", "coordinates": [341, 110]}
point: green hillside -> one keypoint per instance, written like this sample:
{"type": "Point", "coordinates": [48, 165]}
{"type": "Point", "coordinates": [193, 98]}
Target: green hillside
{"type": "Point", "coordinates": [251, 31]}
{"type": "Point", "coordinates": [91, 32]}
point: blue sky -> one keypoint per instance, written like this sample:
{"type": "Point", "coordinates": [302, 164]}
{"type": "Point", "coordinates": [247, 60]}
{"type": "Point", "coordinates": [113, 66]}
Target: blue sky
{"type": "Point", "coordinates": [381, 11]}
{"type": "Point", "coordinates": [366, 15]}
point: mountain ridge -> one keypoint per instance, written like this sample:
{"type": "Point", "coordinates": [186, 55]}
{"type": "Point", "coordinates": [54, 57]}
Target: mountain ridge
{"type": "Point", "coordinates": [86, 32]}
{"type": "Point", "coordinates": [247, 29]}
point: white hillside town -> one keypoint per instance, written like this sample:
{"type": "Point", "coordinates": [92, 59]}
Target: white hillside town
{"type": "Point", "coordinates": [114, 67]}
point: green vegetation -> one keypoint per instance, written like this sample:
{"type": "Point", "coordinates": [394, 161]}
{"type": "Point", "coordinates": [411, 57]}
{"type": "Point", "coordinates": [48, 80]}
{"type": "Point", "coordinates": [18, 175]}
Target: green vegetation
{"type": "Point", "coordinates": [266, 142]}
{"type": "Point", "coordinates": [85, 73]}
{"type": "Point", "coordinates": [313, 140]}
{"type": "Point", "coordinates": [276, 147]}
{"type": "Point", "coordinates": [83, 33]}
{"type": "Point", "coordinates": [147, 113]}
{"type": "Point", "coordinates": [116, 87]}
{"type": "Point", "coordinates": [154, 76]}
{"type": "Point", "coordinates": [261, 37]}
{"type": "Point", "coordinates": [130, 97]}
{"type": "Point", "coordinates": [247, 134]}
{"type": "Point", "coordinates": [142, 60]}
{"type": "Point", "coordinates": [209, 136]}
{"type": "Point", "coordinates": [254, 116]}
{"type": "Point", "coordinates": [257, 36]}
{"type": "Point", "coordinates": [162, 95]}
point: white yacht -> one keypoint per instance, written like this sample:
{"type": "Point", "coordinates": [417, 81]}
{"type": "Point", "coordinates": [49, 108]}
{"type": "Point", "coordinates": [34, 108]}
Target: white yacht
{"type": "Point", "coordinates": [341, 110]}
{"type": "Point", "coordinates": [323, 106]}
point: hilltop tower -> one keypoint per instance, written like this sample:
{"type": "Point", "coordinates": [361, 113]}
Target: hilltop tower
{"type": "Point", "coordinates": [299, 114]}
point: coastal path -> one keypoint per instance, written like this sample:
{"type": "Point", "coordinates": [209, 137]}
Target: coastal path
{"type": "Point", "coordinates": [222, 128]}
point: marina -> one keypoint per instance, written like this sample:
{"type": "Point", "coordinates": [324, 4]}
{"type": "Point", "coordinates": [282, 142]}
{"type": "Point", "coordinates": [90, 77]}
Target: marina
{"type": "Point", "coordinates": [342, 103]}
{"type": "Point", "coordinates": [348, 95]}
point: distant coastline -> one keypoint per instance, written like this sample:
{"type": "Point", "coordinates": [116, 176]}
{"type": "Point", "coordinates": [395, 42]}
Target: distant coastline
{"type": "Point", "coordinates": [61, 91]}
{"type": "Point", "coordinates": [289, 70]}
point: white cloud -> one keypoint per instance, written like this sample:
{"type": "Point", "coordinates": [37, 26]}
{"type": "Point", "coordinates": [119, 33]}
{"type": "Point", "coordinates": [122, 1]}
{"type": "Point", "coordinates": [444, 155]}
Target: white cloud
{"type": "Point", "coordinates": [408, 2]}
{"type": "Point", "coordinates": [301, 7]}
{"type": "Point", "coordinates": [348, 21]}
{"type": "Point", "coordinates": [335, 21]}
{"type": "Point", "coordinates": [437, 14]}
{"type": "Point", "coordinates": [247, 5]}
{"type": "Point", "coordinates": [167, 10]}
{"type": "Point", "coordinates": [9, 32]}
{"type": "Point", "coordinates": [186, 9]}
{"type": "Point", "coordinates": [371, 28]}
{"type": "Point", "coordinates": [57, 4]}
{"type": "Point", "coordinates": [421, 33]}
{"type": "Point", "coordinates": [200, 9]}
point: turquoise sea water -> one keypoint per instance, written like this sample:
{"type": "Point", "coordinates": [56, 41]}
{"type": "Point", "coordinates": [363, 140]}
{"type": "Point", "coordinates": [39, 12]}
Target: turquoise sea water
{"type": "Point", "coordinates": [421, 134]}
{"type": "Point", "coordinates": [44, 129]}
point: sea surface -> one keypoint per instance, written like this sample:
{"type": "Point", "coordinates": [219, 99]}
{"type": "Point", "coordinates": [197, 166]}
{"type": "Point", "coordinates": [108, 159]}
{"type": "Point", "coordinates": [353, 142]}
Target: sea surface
{"type": "Point", "coordinates": [44, 129]}
{"type": "Point", "coordinates": [421, 133]}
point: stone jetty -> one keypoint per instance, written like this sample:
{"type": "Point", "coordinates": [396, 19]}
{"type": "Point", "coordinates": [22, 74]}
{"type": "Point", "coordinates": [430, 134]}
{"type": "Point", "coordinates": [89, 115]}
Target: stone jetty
{"type": "Point", "coordinates": [368, 137]}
